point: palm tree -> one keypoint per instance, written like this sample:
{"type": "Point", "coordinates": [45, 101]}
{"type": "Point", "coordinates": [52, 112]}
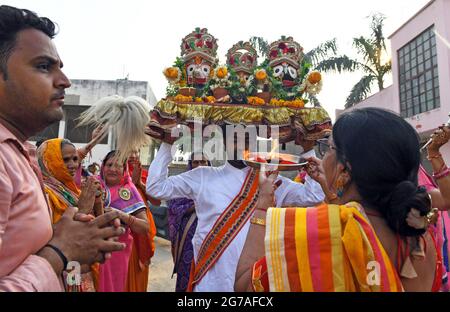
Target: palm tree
{"type": "Point", "coordinates": [323, 58]}
{"type": "Point", "coordinates": [371, 49]}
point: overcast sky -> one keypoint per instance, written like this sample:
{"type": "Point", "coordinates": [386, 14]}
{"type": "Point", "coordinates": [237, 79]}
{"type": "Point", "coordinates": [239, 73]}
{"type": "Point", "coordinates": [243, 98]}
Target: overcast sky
{"type": "Point", "coordinates": [109, 40]}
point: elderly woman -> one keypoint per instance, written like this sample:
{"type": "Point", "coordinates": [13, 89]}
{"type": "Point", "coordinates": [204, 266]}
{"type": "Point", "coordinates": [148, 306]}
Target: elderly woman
{"type": "Point", "coordinates": [59, 162]}
{"type": "Point", "coordinates": [121, 194]}
{"type": "Point", "coordinates": [360, 240]}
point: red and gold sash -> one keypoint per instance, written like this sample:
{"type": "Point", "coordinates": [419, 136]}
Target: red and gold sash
{"type": "Point", "coordinates": [227, 226]}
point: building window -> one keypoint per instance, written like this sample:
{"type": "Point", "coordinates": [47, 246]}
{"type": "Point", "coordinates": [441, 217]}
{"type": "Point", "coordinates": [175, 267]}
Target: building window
{"type": "Point", "coordinates": [51, 132]}
{"type": "Point", "coordinates": [74, 133]}
{"type": "Point", "coordinates": [418, 75]}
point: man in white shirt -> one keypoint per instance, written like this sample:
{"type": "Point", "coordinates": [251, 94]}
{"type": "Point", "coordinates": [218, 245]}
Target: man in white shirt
{"type": "Point", "coordinates": [212, 190]}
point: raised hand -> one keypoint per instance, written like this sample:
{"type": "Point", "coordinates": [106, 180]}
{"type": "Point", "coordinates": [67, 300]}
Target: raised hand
{"type": "Point", "coordinates": [439, 138]}
{"type": "Point", "coordinates": [267, 188]}
{"type": "Point", "coordinates": [98, 133]}
{"type": "Point", "coordinates": [137, 172]}
{"type": "Point", "coordinates": [161, 134]}
{"type": "Point", "coordinates": [315, 170]}
{"type": "Point", "coordinates": [89, 190]}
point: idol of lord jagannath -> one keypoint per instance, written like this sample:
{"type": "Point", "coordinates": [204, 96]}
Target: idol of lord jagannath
{"type": "Point", "coordinates": [193, 70]}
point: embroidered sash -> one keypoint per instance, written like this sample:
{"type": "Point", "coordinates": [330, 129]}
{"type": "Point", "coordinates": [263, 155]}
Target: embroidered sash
{"type": "Point", "coordinates": [227, 226]}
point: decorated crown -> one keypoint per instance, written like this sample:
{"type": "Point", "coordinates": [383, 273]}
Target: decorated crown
{"type": "Point", "coordinates": [285, 50]}
{"type": "Point", "coordinates": [199, 43]}
{"type": "Point", "coordinates": [242, 57]}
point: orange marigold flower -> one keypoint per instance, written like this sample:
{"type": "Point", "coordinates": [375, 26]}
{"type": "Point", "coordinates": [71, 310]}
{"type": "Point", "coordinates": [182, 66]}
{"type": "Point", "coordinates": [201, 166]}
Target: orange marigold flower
{"type": "Point", "coordinates": [222, 72]}
{"type": "Point", "coordinates": [314, 77]}
{"type": "Point", "coordinates": [299, 103]}
{"type": "Point", "coordinates": [261, 75]}
{"type": "Point", "coordinates": [210, 99]}
{"type": "Point", "coordinates": [183, 99]}
{"type": "Point", "coordinates": [171, 73]}
{"type": "Point", "coordinates": [254, 100]}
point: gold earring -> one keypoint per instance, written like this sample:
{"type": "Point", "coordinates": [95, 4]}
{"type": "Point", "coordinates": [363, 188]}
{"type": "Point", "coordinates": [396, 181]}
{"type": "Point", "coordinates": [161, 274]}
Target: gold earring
{"type": "Point", "coordinates": [340, 184]}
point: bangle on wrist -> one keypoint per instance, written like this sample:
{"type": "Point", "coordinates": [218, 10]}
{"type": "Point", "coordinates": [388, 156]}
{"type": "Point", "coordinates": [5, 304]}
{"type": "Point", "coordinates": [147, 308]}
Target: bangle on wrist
{"type": "Point", "coordinates": [258, 221]}
{"type": "Point", "coordinates": [60, 255]}
{"type": "Point", "coordinates": [261, 209]}
{"type": "Point", "coordinates": [442, 174]}
{"type": "Point", "coordinates": [431, 157]}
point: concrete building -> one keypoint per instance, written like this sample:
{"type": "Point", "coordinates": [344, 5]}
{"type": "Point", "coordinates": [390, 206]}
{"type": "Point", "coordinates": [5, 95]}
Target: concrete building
{"type": "Point", "coordinates": [79, 97]}
{"type": "Point", "coordinates": [421, 72]}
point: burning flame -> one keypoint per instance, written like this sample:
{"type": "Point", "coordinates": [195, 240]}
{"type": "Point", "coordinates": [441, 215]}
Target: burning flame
{"type": "Point", "coordinates": [246, 155]}
{"type": "Point", "coordinates": [275, 147]}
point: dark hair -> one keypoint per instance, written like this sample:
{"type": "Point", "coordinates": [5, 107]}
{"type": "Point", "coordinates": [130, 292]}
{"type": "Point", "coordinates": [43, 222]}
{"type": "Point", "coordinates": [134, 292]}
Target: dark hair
{"type": "Point", "coordinates": [67, 142]}
{"type": "Point", "coordinates": [84, 172]}
{"type": "Point", "coordinates": [108, 157]}
{"type": "Point", "coordinates": [39, 142]}
{"type": "Point", "coordinates": [383, 154]}
{"type": "Point", "coordinates": [14, 20]}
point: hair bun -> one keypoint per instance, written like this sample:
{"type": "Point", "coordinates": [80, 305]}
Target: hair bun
{"type": "Point", "coordinates": [406, 196]}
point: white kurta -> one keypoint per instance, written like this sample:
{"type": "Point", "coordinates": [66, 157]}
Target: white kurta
{"type": "Point", "coordinates": [212, 190]}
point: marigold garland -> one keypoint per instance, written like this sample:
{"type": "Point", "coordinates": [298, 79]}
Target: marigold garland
{"type": "Point", "coordinates": [253, 100]}
{"type": "Point", "coordinates": [183, 99]}
{"type": "Point", "coordinates": [189, 99]}
{"type": "Point", "coordinates": [297, 103]}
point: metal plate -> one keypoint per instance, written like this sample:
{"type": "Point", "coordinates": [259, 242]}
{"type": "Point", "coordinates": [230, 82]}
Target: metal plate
{"type": "Point", "coordinates": [299, 162]}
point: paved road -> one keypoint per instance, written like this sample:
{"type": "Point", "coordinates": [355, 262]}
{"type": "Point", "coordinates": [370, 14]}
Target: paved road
{"type": "Point", "coordinates": [160, 271]}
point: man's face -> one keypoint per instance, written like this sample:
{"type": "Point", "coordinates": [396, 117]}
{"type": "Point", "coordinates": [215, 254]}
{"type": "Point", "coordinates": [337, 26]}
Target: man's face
{"type": "Point", "coordinates": [33, 95]}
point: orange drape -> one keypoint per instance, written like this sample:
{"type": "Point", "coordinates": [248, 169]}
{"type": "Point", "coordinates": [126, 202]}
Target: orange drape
{"type": "Point", "coordinates": [141, 253]}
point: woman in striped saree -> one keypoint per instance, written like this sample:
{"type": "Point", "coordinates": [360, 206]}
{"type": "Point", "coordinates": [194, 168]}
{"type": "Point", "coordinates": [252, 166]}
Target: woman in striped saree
{"type": "Point", "coordinates": [360, 240]}
{"type": "Point", "coordinates": [59, 162]}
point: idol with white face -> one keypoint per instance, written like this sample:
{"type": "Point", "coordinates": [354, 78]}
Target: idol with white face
{"type": "Point", "coordinates": [286, 73]}
{"type": "Point", "coordinates": [198, 72]}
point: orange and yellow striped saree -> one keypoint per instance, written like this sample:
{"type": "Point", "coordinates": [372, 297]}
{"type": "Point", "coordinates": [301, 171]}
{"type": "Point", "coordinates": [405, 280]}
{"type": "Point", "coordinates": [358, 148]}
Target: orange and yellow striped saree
{"type": "Point", "coordinates": [328, 248]}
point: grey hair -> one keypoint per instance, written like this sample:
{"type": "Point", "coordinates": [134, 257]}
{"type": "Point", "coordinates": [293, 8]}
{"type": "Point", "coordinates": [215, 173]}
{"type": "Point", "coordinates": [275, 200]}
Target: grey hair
{"type": "Point", "coordinates": [126, 117]}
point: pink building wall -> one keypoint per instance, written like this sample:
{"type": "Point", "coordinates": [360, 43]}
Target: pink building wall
{"type": "Point", "coordinates": [435, 13]}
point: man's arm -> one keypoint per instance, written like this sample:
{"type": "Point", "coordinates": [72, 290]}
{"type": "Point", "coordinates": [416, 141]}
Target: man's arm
{"type": "Point", "coordinates": [160, 186]}
{"type": "Point", "coordinates": [35, 273]}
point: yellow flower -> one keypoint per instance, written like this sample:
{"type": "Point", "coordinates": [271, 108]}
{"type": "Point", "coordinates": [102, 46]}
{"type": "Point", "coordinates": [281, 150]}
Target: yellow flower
{"type": "Point", "coordinates": [254, 100]}
{"type": "Point", "coordinates": [261, 75]}
{"type": "Point", "coordinates": [183, 99]}
{"type": "Point", "coordinates": [222, 72]}
{"type": "Point", "coordinates": [210, 99]}
{"type": "Point", "coordinates": [314, 77]}
{"type": "Point", "coordinates": [251, 100]}
{"type": "Point", "coordinates": [298, 103]}
{"type": "Point", "coordinates": [198, 100]}
{"type": "Point", "coordinates": [172, 73]}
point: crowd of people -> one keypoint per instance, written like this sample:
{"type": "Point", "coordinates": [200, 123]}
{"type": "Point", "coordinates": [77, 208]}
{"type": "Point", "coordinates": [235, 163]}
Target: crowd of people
{"type": "Point", "coordinates": [366, 217]}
